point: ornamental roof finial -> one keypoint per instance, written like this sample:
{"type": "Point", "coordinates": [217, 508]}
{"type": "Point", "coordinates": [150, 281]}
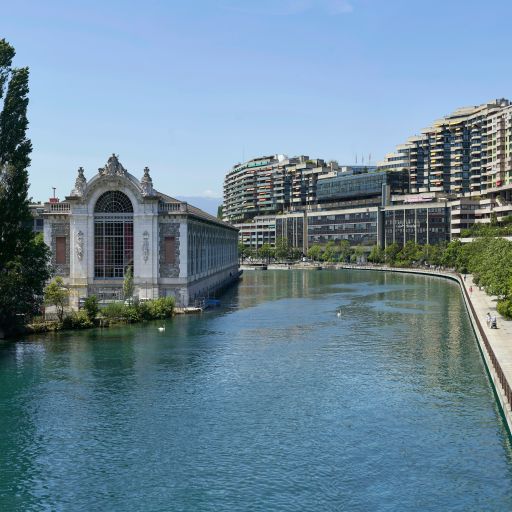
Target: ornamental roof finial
{"type": "Point", "coordinates": [146, 183]}
{"type": "Point", "coordinates": [80, 183]}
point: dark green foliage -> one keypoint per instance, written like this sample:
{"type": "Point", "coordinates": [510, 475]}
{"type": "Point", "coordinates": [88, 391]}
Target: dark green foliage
{"type": "Point", "coordinates": [376, 254]}
{"type": "Point", "coordinates": [22, 281]}
{"type": "Point", "coordinates": [114, 311]}
{"type": "Point", "coordinates": [128, 286]}
{"type": "Point", "coordinates": [314, 252]}
{"type": "Point", "coordinates": [265, 252]}
{"type": "Point", "coordinates": [24, 266]}
{"type": "Point", "coordinates": [282, 248]}
{"type": "Point", "coordinates": [160, 308]}
{"type": "Point", "coordinates": [156, 309]}
{"type": "Point", "coordinates": [91, 307]}
{"type": "Point", "coordinates": [391, 253]}
{"type": "Point", "coordinates": [77, 320]}
{"type": "Point", "coordinates": [55, 294]}
{"type": "Point", "coordinates": [494, 228]}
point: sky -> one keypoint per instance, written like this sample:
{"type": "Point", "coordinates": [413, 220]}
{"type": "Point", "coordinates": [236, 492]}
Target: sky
{"type": "Point", "coordinates": [191, 87]}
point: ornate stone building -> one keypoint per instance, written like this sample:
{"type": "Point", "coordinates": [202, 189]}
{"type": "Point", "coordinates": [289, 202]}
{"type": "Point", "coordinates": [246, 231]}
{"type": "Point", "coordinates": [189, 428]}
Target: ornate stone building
{"type": "Point", "coordinates": [115, 221]}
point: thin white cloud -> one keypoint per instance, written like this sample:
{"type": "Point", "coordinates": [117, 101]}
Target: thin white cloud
{"type": "Point", "coordinates": [286, 7]}
{"type": "Point", "coordinates": [211, 194]}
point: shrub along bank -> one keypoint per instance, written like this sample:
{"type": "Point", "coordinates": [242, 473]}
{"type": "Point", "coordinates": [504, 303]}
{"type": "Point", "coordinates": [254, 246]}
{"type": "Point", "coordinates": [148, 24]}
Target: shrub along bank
{"type": "Point", "coordinates": [116, 312]}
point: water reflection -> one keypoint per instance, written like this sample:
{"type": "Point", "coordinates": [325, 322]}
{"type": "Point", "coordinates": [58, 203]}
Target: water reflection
{"type": "Point", "coordinates": [272, 399]}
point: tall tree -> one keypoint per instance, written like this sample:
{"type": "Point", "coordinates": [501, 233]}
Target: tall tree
{"type": "Point", "coordinates": [24, 258]}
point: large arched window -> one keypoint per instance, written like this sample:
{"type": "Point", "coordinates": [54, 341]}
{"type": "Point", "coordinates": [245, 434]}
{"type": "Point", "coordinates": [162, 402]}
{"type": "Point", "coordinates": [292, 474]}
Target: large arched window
{"type": "Point", "coordinates": [113, 235]}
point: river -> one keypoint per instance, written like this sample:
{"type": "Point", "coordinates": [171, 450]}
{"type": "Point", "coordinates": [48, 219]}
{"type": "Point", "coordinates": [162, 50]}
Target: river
{"type": "Point", "coordinates": [305, 391]}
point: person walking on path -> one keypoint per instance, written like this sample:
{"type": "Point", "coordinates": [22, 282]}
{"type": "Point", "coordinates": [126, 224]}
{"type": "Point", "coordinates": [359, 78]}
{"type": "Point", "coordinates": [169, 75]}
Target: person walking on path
{"type": "Point", "coordinates": [470, 289]}
{"type": "Point", "coordinates": [488, 319]}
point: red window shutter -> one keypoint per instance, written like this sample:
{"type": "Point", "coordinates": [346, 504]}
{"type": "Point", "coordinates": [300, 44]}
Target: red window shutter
{"type": "Point", "coordinates": [169, 250]}
{"type": "Point", "coordinates": [60, 253]}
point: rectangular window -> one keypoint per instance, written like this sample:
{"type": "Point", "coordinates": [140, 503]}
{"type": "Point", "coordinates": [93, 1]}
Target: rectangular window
{"type": "Point", "coordinates": [169, 250]}
{"type": "Point", "coordinates": [60, 253]}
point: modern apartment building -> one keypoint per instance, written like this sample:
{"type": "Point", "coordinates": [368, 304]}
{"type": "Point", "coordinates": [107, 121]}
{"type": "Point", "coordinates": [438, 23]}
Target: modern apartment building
{"type": "Point", "coordinates": [467, 153]}
{"type": "Point", "coordinates": [272, 184]}
{"type": "Point", "coordinates": [455, 173]}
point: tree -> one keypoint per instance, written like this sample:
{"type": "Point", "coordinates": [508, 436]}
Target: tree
{"type": "Point", "coordinates": [91, 307]}
{"type": "Point", "coordinates": [314, 252]}
{"type": "Point", "coordinates": [128, 283]}
{"type": "Point", "coordinates": [282, 248]}
{"type": "Point", "coordinates": [330, 252]}
{"type": "Point", "coordinates": [409, 254]}
{"type": "Point", "coordinates": [220, 211]}
{"type": "Point", "coordinates": [24, 258]}
{"type": "Point", "coordinates": [345, 250]}
{"type": "Point", "coordinates": [56, 295]}
{"type": "Point", "coordinates": [295, 254]}
{"type": "Point", "coordinates": [265, 252]}
{"type": "Point", "coordinates": [376, 254]}
{"type": "Point", "coordinates": [242, 251]}
{"type": "Point", "coordinates": [391, 252]}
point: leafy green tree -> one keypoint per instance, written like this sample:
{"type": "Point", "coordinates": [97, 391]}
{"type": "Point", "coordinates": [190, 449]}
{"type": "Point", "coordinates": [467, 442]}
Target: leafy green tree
{"type": "Point", "coordinates": [91, 307]}
{"type": "Point", "coordinates": [314, 252]}
{"type": "Point", "coordinates": [359, 253]}
{"type": "Point", "coordinates": [295, 253]}
{"type": "Point", "coordinates": [220, 211]}
{"type": "Point", "coordinates": [55, 294]}
{"type": "Point", "coordinates": [128, 283]}
{"type": "Point", "coordinates": [410, 253]}
{"type": "Point", "coordinates": [452, 254]}
{"type": "Point", "coordinates": [282, 249]}
{"type": "Point", "coordinates": [329, 253]}
{"type": "Point", "coordinates": [266, 252]}
{"type": "Point", "coordinates": [376, 254]}
{"type": "Point", "coordinates": [242, 251]}
{"type": "Point", "coordinates": [391, 253]}
{"type": "Point", "coordinates": [24, 258]}
{"type": "Point", "coordinates": [345, 250]}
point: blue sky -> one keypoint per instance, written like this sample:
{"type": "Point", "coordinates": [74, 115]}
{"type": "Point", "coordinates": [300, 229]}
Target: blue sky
{"type": "Point", "coordinates": [191, 87]}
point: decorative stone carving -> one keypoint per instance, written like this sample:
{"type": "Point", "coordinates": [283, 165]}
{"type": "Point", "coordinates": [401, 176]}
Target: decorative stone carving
{"type": "Point", "coordinates": [79, 245]}
{"type": "Point", "coordinates": [146, 183]}
{"type": "Point", "coordinates": [80, 184]}
{"type": "Point", "coordinates": [112, 168]}
{"type": "Point", "coordinates": [145, 246]}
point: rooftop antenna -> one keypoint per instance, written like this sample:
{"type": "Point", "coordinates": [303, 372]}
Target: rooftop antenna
{"type": "Point", "coordinates": [369, 158]}
{"type": "Point", "coordinates": [356, 158]}
{"type": "Point", "coordinates": [362, 158]}
{"type": "Point", "coordinates": [54, 189]}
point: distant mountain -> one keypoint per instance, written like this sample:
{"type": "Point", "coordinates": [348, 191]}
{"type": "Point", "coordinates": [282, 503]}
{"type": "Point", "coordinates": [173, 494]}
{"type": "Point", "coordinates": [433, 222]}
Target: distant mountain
{"type": "Point", "coordinates": [208, 204]}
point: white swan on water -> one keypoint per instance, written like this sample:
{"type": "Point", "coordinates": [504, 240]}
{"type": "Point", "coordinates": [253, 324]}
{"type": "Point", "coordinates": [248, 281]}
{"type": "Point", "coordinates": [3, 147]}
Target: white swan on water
{"type": "Point", "coordinates": [161, 329]}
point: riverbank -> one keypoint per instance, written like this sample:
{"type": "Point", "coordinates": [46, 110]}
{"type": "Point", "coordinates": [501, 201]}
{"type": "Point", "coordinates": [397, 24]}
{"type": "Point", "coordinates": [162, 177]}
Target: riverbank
{"type": "Point", "coordinates": [495, 344]}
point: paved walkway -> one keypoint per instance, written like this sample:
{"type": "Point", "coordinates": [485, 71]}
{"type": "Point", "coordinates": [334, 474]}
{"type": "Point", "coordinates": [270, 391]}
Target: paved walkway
{"type": "Point", "coordinates": [500, 339]}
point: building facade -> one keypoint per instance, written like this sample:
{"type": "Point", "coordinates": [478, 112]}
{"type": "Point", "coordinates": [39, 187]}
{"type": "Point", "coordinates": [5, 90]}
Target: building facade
{"type": "Point", "coordinates": [115, 221]}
